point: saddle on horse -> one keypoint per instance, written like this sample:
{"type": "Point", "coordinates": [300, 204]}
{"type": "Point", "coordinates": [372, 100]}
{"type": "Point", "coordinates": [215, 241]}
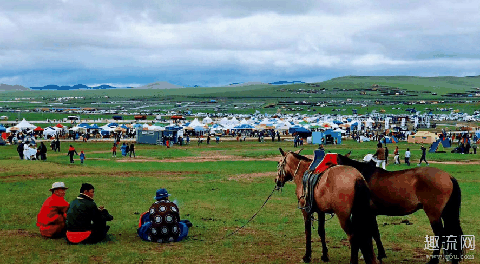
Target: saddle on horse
{"type": "Point", "coordinates": [321, 162]}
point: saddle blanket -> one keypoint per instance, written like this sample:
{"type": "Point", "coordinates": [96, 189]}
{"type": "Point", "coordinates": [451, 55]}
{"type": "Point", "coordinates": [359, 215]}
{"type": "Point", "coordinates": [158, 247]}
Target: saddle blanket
{"type": "Point", "coordinates": [328, 161]}
{"type": "Point", "coordinates": [320, 163]}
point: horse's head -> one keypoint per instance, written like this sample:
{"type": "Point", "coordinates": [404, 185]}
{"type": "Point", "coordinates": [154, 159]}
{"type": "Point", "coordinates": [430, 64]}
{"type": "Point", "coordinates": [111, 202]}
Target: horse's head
{"type": "Point", "coordinates": [283, 169]}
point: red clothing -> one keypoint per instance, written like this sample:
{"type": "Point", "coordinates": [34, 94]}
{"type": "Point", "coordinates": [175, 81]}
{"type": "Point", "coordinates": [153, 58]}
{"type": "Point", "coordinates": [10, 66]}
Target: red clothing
{"type": "Point", "coordinates": [52, 216]}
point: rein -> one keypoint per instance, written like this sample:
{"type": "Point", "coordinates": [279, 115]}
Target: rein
{"type": "Point", "coordinates": [249, 220]}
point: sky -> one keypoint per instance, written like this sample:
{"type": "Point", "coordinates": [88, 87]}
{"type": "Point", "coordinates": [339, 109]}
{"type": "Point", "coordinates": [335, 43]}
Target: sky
{"type": "Point", "coordinates": [219, 42]}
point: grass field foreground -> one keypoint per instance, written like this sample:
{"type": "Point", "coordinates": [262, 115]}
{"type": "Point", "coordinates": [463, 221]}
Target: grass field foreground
{"type": "Point", "coordinates": [218, 187]}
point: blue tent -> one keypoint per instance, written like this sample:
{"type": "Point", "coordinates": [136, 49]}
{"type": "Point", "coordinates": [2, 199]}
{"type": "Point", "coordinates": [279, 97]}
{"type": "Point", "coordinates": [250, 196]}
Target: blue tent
{"type": "Point", "coordinates": [321, 137]}
{"type": "Point", "coordinates": [199, 128]}
{"type": "Point", "coordinates": [138, 125]}
{"type": "Point", "coordinates": [337, 122]}
{"type": "Point", "coordinates": [94, 126]}
{"type": "Point", "coordinates": [112, 125]}
{"type": "Point", "coordinates": [303, 132]}
{"type": "Point", "coordinates": [124, 126]}
{"type": "Point", "coordinates": [244, 126]}
{"type": "Point", "coordinates": [2, 128]}
{"type": "Point", "coordinates": [85, 125]}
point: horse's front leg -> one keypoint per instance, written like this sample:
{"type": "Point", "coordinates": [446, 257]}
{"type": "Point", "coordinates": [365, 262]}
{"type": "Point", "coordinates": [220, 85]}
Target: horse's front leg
{"type": "Point", "coordinates": [308, 237]}
{"type": "Point", "coordinates": [321, 233]}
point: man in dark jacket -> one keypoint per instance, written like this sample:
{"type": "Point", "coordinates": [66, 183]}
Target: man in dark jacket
{"type": "Point", "coordinates": [85, 221]}
{"type": "Point", "coordinates": [424, 154]}
{"type": "Point", "coordinates": [20, 150]}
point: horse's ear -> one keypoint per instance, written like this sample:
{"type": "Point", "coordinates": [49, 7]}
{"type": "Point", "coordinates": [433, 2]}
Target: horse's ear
{"type": "Point", "coordinates": [298, 152]}
{"type": "Point", "coordinates": [281, 151]}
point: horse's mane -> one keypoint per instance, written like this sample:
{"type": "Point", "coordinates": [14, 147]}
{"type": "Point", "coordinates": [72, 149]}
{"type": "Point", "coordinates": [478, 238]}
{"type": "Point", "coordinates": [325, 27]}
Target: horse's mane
{"type": "Point", "coordinates": [300, 157]}
{"type": "Point", "coordinates": [366, 168]}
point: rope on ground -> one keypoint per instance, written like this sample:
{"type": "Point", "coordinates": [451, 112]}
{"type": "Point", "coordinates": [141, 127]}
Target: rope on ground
{"type": "Point", "coordinates": [251, 218]}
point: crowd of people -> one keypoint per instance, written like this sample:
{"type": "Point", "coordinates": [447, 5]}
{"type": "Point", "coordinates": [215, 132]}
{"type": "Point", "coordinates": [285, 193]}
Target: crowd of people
{"type": "Point", "coordinates": [381, 156]}
{"type": "Point", "coordinates": [126, 150]}
{"type": "Point", "coordinates": [82, 221]}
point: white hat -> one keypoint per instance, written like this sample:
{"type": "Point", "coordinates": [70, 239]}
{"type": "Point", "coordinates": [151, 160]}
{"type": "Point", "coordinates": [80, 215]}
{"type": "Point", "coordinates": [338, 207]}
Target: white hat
{"type": "Point", "coordinates": [58, 185]}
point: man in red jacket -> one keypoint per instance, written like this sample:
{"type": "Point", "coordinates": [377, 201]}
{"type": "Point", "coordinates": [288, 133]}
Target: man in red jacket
{"type": "Point", "coordinates": [52, 216]}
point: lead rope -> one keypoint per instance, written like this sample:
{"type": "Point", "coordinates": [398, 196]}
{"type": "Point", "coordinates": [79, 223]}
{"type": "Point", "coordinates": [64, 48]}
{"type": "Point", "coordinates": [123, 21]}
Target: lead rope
{"type": "Point", "coordinates": [251, 218]}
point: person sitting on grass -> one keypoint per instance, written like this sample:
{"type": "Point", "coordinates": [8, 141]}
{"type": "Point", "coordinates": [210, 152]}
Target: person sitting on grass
{"type": "Point", "coordinates": [86, 222]}
{"type": "Point", "coordinates": [52, 216]}
{"type": "Point", "coordinates": [162, 221]}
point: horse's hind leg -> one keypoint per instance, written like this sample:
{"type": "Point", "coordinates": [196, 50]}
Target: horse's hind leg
{"type": "Point", "coordinates": [346, 225]}
{"type": "Point", "coordinates": [376, 236]}
{"type": "Point", "coordinates": [308, 236]}
{"type": "Point", "coordinates": [321, 233]}
{"type": "Point", "coordinates": [437, 228]}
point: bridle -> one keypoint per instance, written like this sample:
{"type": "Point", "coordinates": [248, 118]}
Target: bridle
{"type": "Point", "coordinates": [282, 173]}
{"type": "Point", "coordinates": [281, 167]}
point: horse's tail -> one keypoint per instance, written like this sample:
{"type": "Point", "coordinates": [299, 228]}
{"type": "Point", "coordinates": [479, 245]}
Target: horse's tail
{"type": "Point", "coordinates": [451, 220]}
{"type": "Point", "coordinates": [362, 219]}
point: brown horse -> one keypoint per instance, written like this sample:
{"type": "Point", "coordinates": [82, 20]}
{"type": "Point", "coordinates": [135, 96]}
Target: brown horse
{"type": "Point", "coordinates": [403, 192]}
{"type": "Point", "coordinates": [341, 190]}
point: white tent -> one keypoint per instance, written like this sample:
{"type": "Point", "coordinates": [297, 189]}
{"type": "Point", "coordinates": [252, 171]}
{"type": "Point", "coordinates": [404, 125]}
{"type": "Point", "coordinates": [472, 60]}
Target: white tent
{"type": "Point", "coordinates": [224, 121]}
{"type": "Point", "coordinates": [24, 124]}
{"type": "Point", "coordinates": [234, 121]}
{"type": "Point", "coordinates": [195, 123]}
{"type": "Point", "coordinates": [50, 132]}
{"type": "Point", "coordinates": [207, 120]}
{"type": "Point", "coordinates": [244, 122]}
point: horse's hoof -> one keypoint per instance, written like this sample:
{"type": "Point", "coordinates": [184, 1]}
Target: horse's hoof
{"type": "Point", "coordinates": [381, 256]}
{"type": "Point", "coordinates": [325, 259]}
{"type": "Point", "coordinates": [307, 259]}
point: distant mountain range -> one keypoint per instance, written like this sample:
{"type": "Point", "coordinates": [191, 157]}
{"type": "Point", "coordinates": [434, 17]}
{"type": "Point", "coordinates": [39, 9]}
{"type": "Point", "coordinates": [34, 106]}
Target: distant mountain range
{"type": "Point", "coordinates": [159, 85]}
{"type": "Point", "coordinates": [261, 83]}
{"type": "Point", "coordinates": [75, 87]}
{"type": "Point", "coordinates": [6, 87]}
{"type": "Point", "coordinates": [155, 85]}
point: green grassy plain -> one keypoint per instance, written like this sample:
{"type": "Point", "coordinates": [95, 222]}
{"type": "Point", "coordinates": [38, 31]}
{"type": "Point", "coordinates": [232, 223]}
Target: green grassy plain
{"type": "Point", "coordinates": [216, 195]}
{"type": "Point", "coordinates": [247, 99]}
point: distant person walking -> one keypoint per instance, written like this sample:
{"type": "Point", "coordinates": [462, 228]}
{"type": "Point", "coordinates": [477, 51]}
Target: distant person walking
{"type": "Point", "coordinates": [380, 155]}
{"type": "Point", "coordinates": [42, 150]}
{"type": "Point", "coordinates": [114, 150]}
{"type": "Point", "coordinates": [132, 150]}
{"type": "Point", "coordinates": [71, 152]}
{"type": "Point", "coordinates": [20, 150]}
{"type": "Point", "coordinates": [423, 158]}
{"type": "Point", "coordinates": [82, 156]}
{"type": "Point", "coordinates": [407, 157]}
{"type": "Point", "coordinates": [123, 148]}
{"type": "Point", "coordinates": [396, 156]}
{"type": "Point", "coordinates": [57, 145]}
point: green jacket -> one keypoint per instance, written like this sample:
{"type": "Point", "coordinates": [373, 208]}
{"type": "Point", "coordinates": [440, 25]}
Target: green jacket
{"type": "Point", "coordinates": [84, 215]}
